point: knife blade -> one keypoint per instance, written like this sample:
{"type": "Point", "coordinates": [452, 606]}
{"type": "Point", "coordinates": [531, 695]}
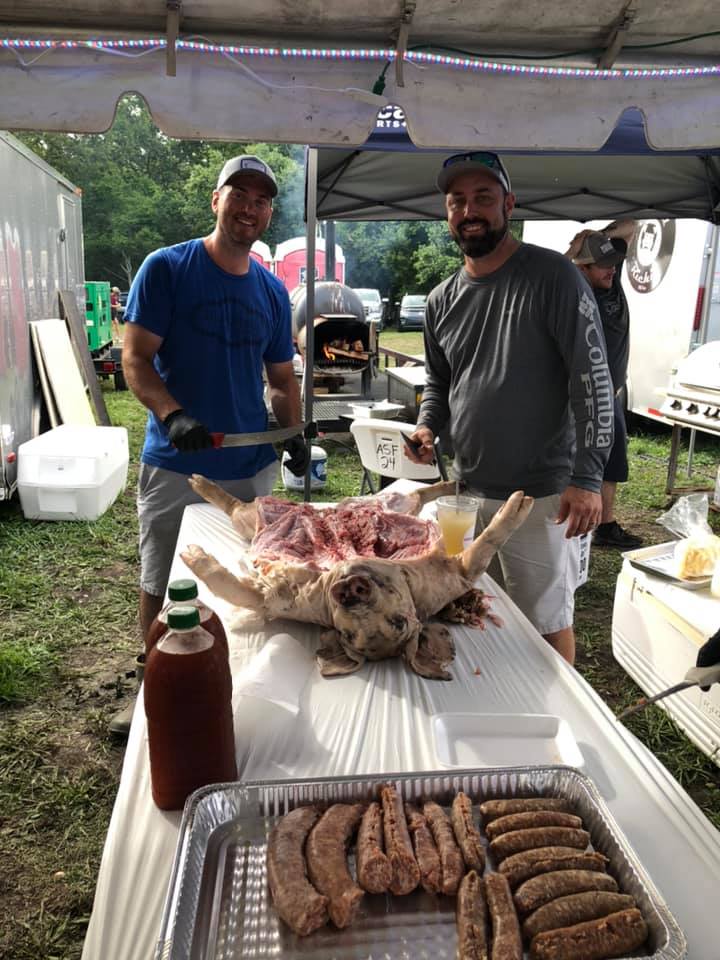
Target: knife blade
{"type": "Point", "coordinates": [695, 677]}
{"type": "Point", "coordinates": [252, 439]}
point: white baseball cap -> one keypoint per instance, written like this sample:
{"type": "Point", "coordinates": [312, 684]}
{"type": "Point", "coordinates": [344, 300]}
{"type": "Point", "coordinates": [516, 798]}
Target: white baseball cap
{"type": "Point", "coordinates": [248, 163]}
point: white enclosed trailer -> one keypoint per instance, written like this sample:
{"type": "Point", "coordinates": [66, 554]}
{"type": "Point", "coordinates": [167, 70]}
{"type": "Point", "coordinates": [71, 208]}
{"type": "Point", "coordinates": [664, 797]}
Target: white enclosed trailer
{"type": "Point", "coordinates": [41, 252]}
{"type": "Point", "coordinates": [670, 279]}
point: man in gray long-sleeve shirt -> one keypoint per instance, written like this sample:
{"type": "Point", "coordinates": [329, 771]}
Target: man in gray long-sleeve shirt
{"type": "Point", "coordinates": [516, 365]}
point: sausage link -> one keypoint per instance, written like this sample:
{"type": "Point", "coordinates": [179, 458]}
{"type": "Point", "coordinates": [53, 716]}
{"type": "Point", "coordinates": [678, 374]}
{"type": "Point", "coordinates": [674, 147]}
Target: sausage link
{"type": "Point", "coordinates": [521, 866]}
{"type": "Point", "coordinates": [471, 919]}
{"type": "Point", "coordinates": [374, 872]}
{"type": "Point", "coordinates": [532, 818]}
{"type": "Point", "coordinates": [506, 939]}
{"type": "Point", "coordinates": [295, 899]}
{"type": "Point", "coordinates": [575, 908]}
{"type": "Point", "coordinates": [426, 853]}
{"type": "Point", "coordinates": [518, 840]}
{"type": "Point", "coordinates": [616, 935]}
{"type": "Point", "coordinates": [398, 849]}
{"type": "Point", "coordinates": [326, 852]}
{"type": "Point", "coordinates": [492, 809]}
{"type": "Point", "coordinates": [466, 833]}
{"type": "Point", "coordinates": [451, 861]}
{"type": "Point", "coordinates": [540, 890]}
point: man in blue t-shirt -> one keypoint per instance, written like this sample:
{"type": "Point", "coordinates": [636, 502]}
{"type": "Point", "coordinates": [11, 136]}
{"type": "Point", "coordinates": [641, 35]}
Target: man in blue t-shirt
{"type": "Point", "coordinates": [204, 321]}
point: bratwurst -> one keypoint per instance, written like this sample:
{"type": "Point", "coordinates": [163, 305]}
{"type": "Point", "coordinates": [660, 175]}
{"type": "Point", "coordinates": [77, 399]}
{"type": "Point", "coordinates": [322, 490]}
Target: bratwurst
{"type": "Point", "coordinates": [518, 840]}
{"type": "Point", "coordinates": [616, 935]}
{"type": "Point", "coordinates": [295, 898]}
{"type": "Point", "coordinates": [374, 872]}
{"type": "Point", "coordinates": [531, 818]}
{"type": "Point", "coordinates": [326, 852]}
{"type": "Point", "coordinates": [426, 853]}
{"type": "Point", "coordinates": [466, 833]}
{"type": "Point", "coordinates": [522, 866]}
{"type": "Point", "coordinates": [506, 943]}
{"type": "Point", "coordinates": [540, 890]}
{"type": "Point", "coordinates": [492, 809]}
{"type": "Point", "coordinates": [576, 908]}
{"type": "Point", "coordinates": [451, 860]}
{"type": "Point", "coordinates": [398, 849]}
{"type": "Point", "coordinates": [472, 919]}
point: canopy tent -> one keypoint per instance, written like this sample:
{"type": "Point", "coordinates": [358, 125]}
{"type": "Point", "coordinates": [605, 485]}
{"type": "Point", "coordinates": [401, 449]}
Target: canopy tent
{"type": "Point", "coordinates": [515, 75]}
{"type": "Point", "coordinates": [388, 178]}
{"type": "Point", "coordinates": [272, 70]}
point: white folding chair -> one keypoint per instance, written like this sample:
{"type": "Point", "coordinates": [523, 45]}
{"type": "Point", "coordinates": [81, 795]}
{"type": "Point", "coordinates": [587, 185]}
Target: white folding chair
{"type": "Point", "coordinates": [382, 450]}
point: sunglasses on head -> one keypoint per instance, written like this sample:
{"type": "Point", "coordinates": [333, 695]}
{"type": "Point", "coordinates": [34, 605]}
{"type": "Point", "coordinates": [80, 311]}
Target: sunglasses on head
{"type": "Point", "coordinates": [488, 159]}
{"type": "Point", "coordinates": [484, 157]}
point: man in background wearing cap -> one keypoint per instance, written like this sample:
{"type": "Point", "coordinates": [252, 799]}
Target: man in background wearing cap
{"type": "Point", "coordinates": [203, 320]}
{"type": "Point", "coordinates": [599, 255]}
{"type": "Point", "coordinates": [515, 363]}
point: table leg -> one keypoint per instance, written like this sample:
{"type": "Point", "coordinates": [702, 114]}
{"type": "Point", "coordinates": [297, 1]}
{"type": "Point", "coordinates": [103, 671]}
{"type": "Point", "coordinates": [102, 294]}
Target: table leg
{"type": "Point", "coordinates": [673, 461]}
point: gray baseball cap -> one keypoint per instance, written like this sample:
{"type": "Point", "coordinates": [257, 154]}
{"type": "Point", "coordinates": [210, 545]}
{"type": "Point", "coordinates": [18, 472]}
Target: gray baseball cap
{"type": "Point", "coordinates": [248, 163]}
{"type": "Point", "coordinates": [599, 250]}
{"type": "Point", "coordinates": [471, 162]}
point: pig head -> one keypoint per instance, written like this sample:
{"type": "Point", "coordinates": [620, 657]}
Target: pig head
{"type": "Point", "coordinates": [372, 608]}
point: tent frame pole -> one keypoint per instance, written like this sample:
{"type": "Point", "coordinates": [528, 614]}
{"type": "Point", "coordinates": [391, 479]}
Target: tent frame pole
{"type": "Point", "coordinates": [310, 234]}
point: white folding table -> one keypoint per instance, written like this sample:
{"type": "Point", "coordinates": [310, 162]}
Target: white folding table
{"type": "Point", "coordinates": [379, 720]}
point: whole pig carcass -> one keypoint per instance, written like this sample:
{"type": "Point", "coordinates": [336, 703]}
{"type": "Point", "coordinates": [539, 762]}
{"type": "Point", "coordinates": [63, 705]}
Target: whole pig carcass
{"type": "Point", "coordinates": [372, 607]}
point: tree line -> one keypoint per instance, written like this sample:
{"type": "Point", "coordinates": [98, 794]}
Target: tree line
{"type": "Point", "coordinates": [143, 190]}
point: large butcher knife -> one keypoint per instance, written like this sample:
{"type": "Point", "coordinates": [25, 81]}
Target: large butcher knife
{"type": "Point", "coordinates": [253, 439]}
{"type": "Point", "coordinates": [703, 674]}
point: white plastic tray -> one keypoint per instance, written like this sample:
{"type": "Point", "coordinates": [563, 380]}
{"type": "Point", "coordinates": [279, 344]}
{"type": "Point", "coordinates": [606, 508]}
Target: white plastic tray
{"type": "Point", "coordinates": [503, 740]}
{"type": "Point", "coordinates": [658, 560]}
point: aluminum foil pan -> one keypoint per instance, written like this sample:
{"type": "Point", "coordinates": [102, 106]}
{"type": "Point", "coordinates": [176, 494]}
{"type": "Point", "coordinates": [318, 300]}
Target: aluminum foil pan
{"type": "Point", "coordinates": [218, 905]}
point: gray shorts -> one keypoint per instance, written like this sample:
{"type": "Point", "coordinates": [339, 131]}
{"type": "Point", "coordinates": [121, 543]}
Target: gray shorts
{"type": "Point", "coordinates": [162, 497]}
{"type": "Point", "coordinates": [538, 567]}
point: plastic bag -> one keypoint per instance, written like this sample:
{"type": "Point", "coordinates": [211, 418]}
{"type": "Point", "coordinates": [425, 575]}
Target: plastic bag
{"type": "Point", "coordinates": [688, 516]}
{"type": "Point", "coordinates": [698, 551]}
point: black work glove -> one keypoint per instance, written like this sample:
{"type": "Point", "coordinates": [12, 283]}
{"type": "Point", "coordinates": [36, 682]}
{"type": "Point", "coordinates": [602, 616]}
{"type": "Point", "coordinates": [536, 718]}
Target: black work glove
{"type": "Point", "coordinates": [186, 433]}
{"type": "Point", "coordinates": [299, 455]}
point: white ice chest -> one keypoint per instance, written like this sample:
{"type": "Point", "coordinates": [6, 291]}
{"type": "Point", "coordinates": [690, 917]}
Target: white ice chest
{"type": "Point", "coordinates": [72, 472]}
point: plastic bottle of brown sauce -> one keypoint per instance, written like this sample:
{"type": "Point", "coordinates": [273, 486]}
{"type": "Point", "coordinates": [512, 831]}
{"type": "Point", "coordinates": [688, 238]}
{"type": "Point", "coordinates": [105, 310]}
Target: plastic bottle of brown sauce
{"type": "Point", "coordinates": [186, 593]}
{"type": "Point", "coordinates": [188, 704]}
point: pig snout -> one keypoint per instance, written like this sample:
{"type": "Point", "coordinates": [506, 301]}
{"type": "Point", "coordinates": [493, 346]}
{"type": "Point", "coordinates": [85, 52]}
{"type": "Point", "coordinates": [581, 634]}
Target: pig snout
{"type": "Point", "coordinates": [351, 591]}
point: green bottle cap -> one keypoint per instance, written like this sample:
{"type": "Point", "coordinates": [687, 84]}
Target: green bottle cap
{"type": "Point", "coordinates": [183, 618]}
{"type": "Point", "coordinates": [182, 590]}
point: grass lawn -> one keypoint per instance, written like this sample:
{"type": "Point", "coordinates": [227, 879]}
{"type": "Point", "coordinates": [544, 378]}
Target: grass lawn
{"type": "Point", "coordinates": [68, 595]}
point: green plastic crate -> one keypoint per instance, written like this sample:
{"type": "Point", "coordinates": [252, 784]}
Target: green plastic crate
{"type": "Point", "coordinates": [98, 316]}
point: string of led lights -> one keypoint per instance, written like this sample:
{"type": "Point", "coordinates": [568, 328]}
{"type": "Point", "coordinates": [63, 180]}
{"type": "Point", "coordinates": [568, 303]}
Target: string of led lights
{"type": "Point", "coordinates": [143, 47]}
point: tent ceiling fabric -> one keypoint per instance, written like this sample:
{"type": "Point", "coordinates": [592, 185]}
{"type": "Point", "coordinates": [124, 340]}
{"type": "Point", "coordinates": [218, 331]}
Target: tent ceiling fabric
{"type": "Point", "coordinates": [389, 185]}
{"type": "Point", "coordinates": [494, 26]}
{"type": "Point", "coordinates": [301, 99]}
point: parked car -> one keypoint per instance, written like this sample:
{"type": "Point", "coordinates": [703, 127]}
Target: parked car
{"type": "Point", "coordinates": [372, 304]}
{"type": "Point", "coordinates": [412, 311]}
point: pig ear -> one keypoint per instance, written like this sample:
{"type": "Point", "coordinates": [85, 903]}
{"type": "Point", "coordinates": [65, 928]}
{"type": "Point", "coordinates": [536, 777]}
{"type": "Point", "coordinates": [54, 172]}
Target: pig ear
{"type": "Point", "coordinates": [431, 652]}
{"type": "Point", "coordinates": [332, 659]}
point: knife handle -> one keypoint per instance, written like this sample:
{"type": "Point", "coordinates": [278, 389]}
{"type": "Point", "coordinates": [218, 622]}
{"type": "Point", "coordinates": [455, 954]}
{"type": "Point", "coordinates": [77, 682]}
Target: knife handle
{"type": "Point", "coordinates": [217, 439]}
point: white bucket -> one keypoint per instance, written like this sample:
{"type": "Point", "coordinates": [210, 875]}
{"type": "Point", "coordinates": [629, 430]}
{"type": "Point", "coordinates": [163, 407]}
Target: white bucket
{"type": "Point", "coordinates": [318, 471]}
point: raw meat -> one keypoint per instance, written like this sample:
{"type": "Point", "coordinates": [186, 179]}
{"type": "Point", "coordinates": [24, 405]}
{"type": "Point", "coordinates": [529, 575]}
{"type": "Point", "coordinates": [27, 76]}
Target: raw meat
{"type": "Point", "coordinates": [374, 606]}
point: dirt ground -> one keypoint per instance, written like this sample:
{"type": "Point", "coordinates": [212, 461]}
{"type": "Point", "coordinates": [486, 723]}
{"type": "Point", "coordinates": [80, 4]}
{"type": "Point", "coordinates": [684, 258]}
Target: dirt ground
{"type": "Point", "coordinates": [67, 768]}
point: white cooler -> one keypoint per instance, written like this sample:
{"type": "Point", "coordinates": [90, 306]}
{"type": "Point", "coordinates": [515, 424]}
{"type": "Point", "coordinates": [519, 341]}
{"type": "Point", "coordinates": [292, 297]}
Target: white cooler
{"type": "Point", "coordinates": [72, 472]}
{"type": "Point", "coordinates": [657, 630]}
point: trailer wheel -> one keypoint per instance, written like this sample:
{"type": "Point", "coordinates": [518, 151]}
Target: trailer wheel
{"type": "Point", "coordinates": [119, 379]}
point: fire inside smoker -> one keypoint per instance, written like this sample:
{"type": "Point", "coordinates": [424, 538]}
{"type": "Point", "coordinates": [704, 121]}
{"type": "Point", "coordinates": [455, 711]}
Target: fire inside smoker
{"type": "Point", "coordinates": [345, 350]}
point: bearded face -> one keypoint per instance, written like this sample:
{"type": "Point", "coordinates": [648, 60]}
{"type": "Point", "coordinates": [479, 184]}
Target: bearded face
{"type": "Point", "coordinates": [478, 211]}
{"type": "Point", "coordinates": [477, 237]}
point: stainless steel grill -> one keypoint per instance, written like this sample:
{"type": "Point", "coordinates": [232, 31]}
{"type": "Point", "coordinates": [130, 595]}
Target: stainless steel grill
{"type": "Point", "coordinates": [693, 394]}
{"type": "Point", "coordinates": [693, 400]}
